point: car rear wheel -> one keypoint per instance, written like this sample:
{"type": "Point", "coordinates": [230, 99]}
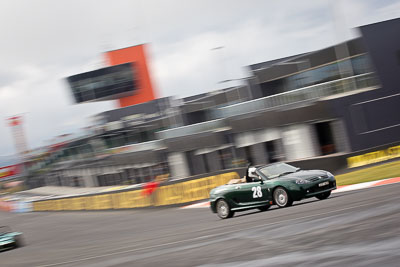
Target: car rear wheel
{"type": "Point", "coordinates": [323, 195]}
{"type": "Point", "coordinates": [223, 209]}
{"type": "Point", "coordinates": [282, 198]}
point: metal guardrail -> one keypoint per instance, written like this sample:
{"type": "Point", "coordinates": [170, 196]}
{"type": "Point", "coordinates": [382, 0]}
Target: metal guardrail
{"type": "Point", "coordinates": [303, 94]}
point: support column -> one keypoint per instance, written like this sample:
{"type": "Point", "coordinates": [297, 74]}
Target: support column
{"type": "Point", "coordinates": [178, 165]}
{"type": "Point", "coordinates": [340, 136]}
{"type": "Point", "coordinates": [298, 142]}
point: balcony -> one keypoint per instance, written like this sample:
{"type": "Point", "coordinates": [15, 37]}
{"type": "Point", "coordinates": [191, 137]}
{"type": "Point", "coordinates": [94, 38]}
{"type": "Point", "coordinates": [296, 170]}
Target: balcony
{"type": "Point", "coordinates": [213, 125]}
{"type": "Point", "coordinates": [145, 146]}
{"type": "Point", "coordinates": [308, 93]}
{"type": "Point", "coordinates": [362, 81]}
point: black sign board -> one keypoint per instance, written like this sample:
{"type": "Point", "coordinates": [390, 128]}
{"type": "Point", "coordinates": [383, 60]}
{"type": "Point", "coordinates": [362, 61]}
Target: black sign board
{"type": "Point", "coordinates": [104, 84]}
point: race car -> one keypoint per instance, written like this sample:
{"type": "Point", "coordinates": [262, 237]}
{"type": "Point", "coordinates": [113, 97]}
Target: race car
{"type": "Point", "coordinates": [274, 184]}
{"type": "Point", "coordinates": [9, 239]}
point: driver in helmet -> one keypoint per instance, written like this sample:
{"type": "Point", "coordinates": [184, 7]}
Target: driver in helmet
{"type": "Point", "coordinates": [251, 175]}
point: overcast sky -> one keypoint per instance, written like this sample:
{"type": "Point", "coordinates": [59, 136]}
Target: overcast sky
{"type": "Point", "coordinates": [42, 42]}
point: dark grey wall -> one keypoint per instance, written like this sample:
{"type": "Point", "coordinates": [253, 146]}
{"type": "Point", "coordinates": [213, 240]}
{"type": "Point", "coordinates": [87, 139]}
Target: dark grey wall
{"type": "Point", "coordinates": [214, 162]}
{"type": "Point", "coordinates": [372, 118]}
{"type": "Point", "coordinates": [383, 43]}
{"type": "Point", "coordinates": [279, 116]}
{"type": "Point", "coordinates": [259, 154]}
{"type": "Point", "coordinates": [151, 107]}
{"type": "Point", "coordinates": [195, 141]}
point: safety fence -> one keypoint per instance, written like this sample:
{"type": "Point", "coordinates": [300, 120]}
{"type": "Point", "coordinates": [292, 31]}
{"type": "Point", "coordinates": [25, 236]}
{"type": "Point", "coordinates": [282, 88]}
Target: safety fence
{"type": "Point", "coordinates": [15, 206]}
{"type": "Point", "coordinates": [374, 157]}
{"type": "Point", "coordinates": [172, 194]}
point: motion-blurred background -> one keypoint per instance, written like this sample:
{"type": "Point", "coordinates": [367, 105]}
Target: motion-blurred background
{"type": "Point", "coordinates": [110, 95]}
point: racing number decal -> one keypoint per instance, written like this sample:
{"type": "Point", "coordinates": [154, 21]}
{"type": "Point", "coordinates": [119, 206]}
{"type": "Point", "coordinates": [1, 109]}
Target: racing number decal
{"type": "Point", "coordinates": [256, 191]}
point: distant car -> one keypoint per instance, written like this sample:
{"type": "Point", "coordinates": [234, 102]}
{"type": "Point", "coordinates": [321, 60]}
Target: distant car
{"type": "Point", "coordinates": [274, 184]}
{"type": "Point", "coordinates": [9, 239]}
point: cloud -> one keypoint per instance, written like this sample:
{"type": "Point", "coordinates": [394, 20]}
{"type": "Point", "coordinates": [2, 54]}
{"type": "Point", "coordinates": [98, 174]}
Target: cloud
{"type": "Point", "coordinates": [45, 41]}
{"type": "Point", "coordinates": [192, 66]}
{"type": "Point", "coordinates": [43, 100]}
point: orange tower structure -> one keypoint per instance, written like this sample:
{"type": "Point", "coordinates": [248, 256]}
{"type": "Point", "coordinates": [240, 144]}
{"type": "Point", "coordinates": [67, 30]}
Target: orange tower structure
{"type": "Point", "coordinates": [137, 55]}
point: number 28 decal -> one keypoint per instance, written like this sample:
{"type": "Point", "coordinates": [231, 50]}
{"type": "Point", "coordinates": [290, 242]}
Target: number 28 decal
{"type": "Point", "coordinates": [256, 191]}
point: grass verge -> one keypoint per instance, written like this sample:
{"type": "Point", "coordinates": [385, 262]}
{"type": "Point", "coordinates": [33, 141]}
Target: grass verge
{"type": "Point", "coordinates": [388, 170]}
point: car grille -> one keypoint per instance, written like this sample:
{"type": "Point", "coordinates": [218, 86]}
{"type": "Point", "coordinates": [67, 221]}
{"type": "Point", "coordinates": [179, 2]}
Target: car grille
{"type": "Point", "coordinates": [317, 178]}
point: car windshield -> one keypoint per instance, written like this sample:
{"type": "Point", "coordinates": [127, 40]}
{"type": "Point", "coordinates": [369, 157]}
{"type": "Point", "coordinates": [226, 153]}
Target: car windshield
{"type": "Point", "coordinates": [277, 169]}
{"type": "Point", "coordinates": [4, 230]}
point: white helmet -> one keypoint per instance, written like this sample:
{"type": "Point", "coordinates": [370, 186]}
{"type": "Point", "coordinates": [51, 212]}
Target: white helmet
{"type": "Point", "coordinates": [252, 172]}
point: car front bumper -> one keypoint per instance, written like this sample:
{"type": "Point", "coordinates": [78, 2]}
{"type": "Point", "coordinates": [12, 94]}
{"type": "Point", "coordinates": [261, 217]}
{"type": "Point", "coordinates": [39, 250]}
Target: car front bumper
{"type": "Point", "coordinates": [213, 203]}
{"type": "Point", "coordinates": [299, 192]}
{"type": "Point", "coordinates": [316, 188]}
{"type": "Point", "coordinates": [7, 245]}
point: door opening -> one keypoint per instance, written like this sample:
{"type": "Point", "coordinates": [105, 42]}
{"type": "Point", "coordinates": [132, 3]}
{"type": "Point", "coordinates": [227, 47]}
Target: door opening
{"type": "Point", "coordinates": [325, 138]}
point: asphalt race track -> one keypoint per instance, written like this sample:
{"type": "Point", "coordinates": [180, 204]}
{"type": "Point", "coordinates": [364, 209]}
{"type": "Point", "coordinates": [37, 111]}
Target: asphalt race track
{"type": "Point", "coordinates": [359, 228]}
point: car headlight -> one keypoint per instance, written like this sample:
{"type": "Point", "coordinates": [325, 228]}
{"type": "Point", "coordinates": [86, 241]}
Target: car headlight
{"type": "Point", "coordinates": [330, 175]}
{"type": "Point", "coordinates": [301, 181]}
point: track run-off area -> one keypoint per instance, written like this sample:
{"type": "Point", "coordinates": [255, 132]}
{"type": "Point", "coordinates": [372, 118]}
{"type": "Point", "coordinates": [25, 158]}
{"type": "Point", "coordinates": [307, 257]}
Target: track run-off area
{"type": "Point", "coordinates": [353, 228]}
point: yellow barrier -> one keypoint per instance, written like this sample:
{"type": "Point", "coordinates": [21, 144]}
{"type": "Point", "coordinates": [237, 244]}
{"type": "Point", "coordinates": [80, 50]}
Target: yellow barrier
{"type": "Point", "coordinates": [165, 195]}
{"type": "Point", "coordinates": [374, 157]}
{"type": "Point", "coordinates": [191, 190]}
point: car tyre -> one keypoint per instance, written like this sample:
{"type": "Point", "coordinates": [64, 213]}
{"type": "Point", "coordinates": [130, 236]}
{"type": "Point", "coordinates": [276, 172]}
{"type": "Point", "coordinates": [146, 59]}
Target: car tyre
{"type": "Point", "coordinates": [323, 195]}
{"type": "Point", "coordinates": [223, 209]}
{"type": "Point", "coordinates": [282, 198]}
{"type": "Point", "coordinates": [264, 208]}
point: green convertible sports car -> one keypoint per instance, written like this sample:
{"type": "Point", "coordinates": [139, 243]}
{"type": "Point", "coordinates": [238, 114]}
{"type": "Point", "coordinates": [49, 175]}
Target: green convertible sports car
{"type": "Point", "coordinates": [277, 183]}
{"type": "Point", "coordinates": [9, 239]}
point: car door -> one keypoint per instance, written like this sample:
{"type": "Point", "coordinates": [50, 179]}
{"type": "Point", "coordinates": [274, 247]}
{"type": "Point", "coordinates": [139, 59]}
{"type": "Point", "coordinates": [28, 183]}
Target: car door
{"type": "Point", "coordinates": [254, 193]}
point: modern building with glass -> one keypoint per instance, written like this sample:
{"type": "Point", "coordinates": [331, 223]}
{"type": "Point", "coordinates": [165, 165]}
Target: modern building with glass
{"type": "Point", "coordinates": [321, 105]}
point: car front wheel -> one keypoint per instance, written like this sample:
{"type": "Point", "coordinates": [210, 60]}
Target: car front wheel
{"type": "Point", "coordinates": [223, 209]}
{"type": "Point", "coordinates": [323, 195]}
{"type": "Point", "coordinates": [282, 198]}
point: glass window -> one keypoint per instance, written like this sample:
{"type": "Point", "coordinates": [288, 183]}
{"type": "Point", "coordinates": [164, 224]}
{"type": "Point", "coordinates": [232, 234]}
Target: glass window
{"type": "Point", "coordinates": [361, 64]}
{"type": "Point", "coordinates": [277, 169]}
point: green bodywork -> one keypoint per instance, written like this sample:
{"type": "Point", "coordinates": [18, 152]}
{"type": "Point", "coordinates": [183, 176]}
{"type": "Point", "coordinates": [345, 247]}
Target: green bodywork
{"type": "Point", "coordinates": [8, 239]}
{"type": "Point", "coordinates": [244, 196]}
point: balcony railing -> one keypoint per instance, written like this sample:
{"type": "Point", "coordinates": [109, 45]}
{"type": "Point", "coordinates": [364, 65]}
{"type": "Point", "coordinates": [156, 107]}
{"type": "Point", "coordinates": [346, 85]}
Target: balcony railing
{"type": "Point", "coordinates": [303, 94]}
{"type": "Point", "coordinates": [308, 93]}
{"type": "Point", "coordinates": [192, 129]}
{"type": "Point", "coordinates": [145, 146]}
